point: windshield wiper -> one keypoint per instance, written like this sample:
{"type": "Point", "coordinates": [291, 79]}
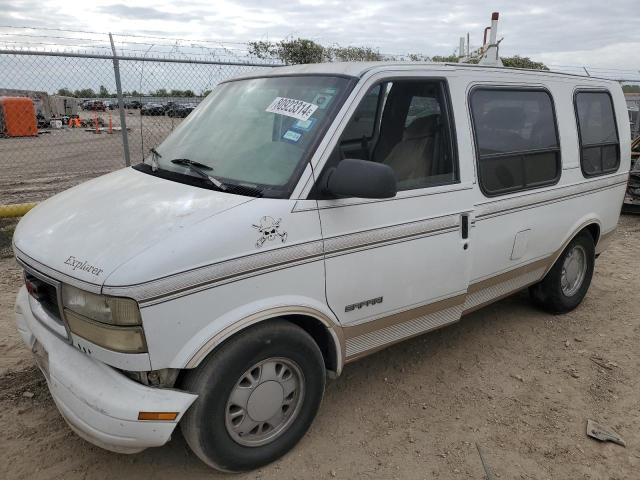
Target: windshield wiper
{"type": "Point", "coordinates": [200, 168]}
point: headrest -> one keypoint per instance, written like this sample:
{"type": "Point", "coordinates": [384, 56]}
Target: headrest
{"type": "Point", "coordinates": [504, 118]}
{"type": "Point", "coordinates": [421, 127]}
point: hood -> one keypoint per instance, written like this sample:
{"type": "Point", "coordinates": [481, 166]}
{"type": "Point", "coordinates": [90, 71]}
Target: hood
{"type": "Point", "coordinates": [88, 231]}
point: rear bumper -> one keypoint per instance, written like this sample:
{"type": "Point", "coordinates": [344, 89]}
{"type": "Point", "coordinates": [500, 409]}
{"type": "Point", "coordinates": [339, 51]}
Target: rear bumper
{"type": "Point", "coordinates": [99, 403]}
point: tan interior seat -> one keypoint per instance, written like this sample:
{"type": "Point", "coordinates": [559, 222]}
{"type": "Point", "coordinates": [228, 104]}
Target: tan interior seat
{"type": "Point", "coordinates": [412, 157]}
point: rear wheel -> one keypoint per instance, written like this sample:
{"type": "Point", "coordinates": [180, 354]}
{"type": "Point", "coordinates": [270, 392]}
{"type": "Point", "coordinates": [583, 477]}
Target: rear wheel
{"type": "Point", "coordinates": [566, 284]}
{"type": "Point", "coordinates": [257, 396]}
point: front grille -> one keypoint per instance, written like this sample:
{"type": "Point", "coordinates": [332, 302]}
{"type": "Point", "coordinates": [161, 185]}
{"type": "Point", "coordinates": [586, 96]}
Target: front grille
{"type": "Point", "coordinates": [44, 293]}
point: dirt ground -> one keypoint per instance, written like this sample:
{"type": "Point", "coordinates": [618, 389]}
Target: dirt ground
{"type": "Point", "coordinates": [34, 168]}
{"type": "Point", "coordinates": [519, 383]}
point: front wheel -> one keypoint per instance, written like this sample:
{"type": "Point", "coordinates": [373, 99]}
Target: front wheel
{"type": "Point", "coordinates": [257, 396]}
{"type": "Point", "coordinates": [566, 284]}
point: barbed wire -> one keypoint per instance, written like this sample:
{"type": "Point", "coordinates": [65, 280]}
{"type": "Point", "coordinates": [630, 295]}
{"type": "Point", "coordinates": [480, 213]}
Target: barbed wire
{"type": "Point", "coordinates": [63, 39]}
{"type": "Point", "coordinates": [120, 34]}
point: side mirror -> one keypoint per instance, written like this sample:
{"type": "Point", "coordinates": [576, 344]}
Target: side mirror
{"type": "Point", "coordinates": [362, 179]}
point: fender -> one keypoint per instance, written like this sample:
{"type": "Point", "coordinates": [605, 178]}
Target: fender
{"type": "Point", "coordinates": [573, 231]}
{"type": "Point", "coordinates": [331, 324]}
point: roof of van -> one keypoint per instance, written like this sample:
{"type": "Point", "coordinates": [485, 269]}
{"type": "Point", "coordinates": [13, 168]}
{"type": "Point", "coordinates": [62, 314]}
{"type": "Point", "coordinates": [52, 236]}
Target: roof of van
{"type": "Point", "coordinates": [358, 69]}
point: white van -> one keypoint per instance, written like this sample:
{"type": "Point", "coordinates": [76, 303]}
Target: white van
{"type": "Point", "coordinates": [299, 220]}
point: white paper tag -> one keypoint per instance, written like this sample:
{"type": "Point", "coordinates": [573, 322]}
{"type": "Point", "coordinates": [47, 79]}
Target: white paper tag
{"type": "Point", "coordinates": [292, 108]}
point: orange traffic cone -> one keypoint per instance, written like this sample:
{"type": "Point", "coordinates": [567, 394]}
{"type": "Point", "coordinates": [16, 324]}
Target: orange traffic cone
{"type": "Point", "coordinates": [110, 124]}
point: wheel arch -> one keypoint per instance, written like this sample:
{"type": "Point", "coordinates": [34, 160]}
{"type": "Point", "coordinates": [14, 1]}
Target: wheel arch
{"type": "Point", "coordinates": [324, 331]}
{"type": "Point", "coordinates": [593, 226]}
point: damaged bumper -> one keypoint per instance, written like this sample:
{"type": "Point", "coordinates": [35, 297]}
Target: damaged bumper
{"type": "Point", "coordinates": [98, 402]}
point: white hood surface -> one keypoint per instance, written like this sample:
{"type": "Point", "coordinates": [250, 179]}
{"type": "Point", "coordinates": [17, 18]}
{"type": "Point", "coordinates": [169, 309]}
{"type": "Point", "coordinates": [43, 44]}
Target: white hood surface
{"type": "Point", "coordinates": [90, 230]}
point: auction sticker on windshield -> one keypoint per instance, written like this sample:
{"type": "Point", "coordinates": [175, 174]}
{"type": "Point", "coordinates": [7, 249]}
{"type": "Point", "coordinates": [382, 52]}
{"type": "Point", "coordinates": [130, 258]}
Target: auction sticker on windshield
{"type": "Point", "coordinates": [292, 108]}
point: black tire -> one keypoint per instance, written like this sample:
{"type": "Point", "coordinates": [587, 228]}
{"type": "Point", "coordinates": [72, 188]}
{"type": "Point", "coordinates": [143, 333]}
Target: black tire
{"type": "Point", "coordinates": [549, 295]}
{"type": "Point", "coordinates": [203, 426]}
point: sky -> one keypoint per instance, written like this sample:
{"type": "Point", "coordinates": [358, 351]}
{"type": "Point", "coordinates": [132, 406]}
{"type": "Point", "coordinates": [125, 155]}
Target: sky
{"type": "Point", "coordinates": [554, 31]}
{"type": "Point", "coordinates": [557, 32]}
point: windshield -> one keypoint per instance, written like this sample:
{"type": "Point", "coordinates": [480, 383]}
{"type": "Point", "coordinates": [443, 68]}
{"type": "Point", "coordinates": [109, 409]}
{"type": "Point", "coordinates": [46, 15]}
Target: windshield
{"type": "Point", "coordinates": [256, 132]}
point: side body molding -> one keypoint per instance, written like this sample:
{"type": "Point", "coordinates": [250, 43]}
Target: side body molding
{"type": "Point", "coordinates": [352, 343]}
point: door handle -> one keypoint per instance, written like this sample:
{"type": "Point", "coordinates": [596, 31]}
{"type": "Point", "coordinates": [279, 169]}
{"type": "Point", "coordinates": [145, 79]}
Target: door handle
{"type": "Point", "coordinates": [464, 226]}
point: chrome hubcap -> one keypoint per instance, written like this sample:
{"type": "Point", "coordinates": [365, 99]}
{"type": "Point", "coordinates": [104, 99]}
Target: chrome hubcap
{"type": "Point", "coordinates": [574, 269]}
{"type": "Point", "coordinates": [264, 402]}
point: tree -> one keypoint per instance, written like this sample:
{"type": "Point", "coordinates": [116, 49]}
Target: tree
{"type": "Point", "coordinates": [290, 52]}
{"type": "Point", "coordinates": [631, 88]}
{"type": "Point", "coordinates": [65, 92]}
{"type": "Point", "coordinates": [161, 92]}
{"type": "Point", "coordinates": [352, 54]}
{"type": "Point", "coordinates": [300, 50]}
{"type": "Point", "coordinates": [453, 58]}
{"type": "Point", "coordinates": [103, 93]}
{"type": "Point", "coordinates": [85, 93]}
{"type": "Point", "coordinates": [189, 93]}
{"type": "Point", "coordinates": [523, 62]}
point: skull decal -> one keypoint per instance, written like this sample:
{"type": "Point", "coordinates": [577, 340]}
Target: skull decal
{"type": "Point", "coordinates": [269, 230]}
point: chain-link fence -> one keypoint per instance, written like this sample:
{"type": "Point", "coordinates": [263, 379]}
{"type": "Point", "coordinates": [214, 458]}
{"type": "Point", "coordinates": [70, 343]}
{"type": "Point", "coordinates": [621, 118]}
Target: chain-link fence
{"type": "Point", "coordinates": [60, 116]}
{"type": "Point", "coordinates": [61, 121]}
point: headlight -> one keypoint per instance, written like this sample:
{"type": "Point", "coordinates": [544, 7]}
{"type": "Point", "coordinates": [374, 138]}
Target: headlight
{"type": "Point", "coordinates": [111, 322]}
{"type": "Point", "coordinates": [103, 309]}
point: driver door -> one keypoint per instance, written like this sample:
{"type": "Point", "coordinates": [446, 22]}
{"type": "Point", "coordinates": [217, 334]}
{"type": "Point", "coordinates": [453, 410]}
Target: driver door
{"type": "Point", "coordinates": [398, 267]}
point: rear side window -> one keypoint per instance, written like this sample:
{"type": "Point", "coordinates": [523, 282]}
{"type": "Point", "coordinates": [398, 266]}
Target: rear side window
{"type": "Point", "coordinates": [599, 144]}
{"type": "Point", "coordinates": [516, 139]}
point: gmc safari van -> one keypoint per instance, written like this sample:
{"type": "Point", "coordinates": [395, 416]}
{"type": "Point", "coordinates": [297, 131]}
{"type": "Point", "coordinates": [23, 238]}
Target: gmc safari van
{"type": "Point", "coordinates": [299, 220]}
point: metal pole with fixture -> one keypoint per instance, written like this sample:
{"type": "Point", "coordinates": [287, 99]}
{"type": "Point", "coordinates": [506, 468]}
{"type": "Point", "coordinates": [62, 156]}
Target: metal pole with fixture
{"type": "Point", "coordinates": [490, 51]}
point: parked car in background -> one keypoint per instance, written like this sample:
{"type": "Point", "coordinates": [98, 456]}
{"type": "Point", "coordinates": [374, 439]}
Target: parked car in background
{"type": "Point", "coordinates": [96, 106]}
{"type": "Point", "coordinates": [169, 105]}
{"type": "Point", "coordinates": [180, 110]}
{"type": "Point", "coordinates": [152, 109]}
{"type": "Point", "coordinates": [288, 228]}
{"type": "Point", "coordinates": [110, 105]}
{"type": "Point", "coordinates": [132, 104]}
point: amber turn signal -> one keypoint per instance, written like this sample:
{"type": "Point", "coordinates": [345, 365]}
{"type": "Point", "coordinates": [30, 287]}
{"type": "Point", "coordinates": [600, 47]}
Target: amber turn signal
{"type": "Point", "coordinates": [157, 416]}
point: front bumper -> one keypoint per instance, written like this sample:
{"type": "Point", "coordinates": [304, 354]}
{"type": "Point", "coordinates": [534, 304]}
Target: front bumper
{"type": "Point", "coordinates": [99, 403]}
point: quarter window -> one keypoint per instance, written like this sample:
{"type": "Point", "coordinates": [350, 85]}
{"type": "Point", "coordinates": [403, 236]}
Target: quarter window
{"type": "Point", "coordinates": [516, 139]}
{"type": "Point", "coordinates": [599, 144]}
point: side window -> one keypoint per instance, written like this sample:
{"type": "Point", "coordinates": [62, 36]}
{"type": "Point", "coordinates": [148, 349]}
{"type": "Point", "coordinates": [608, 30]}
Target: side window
{"type": "Point", "coordinates": [599, 144]}
{"type": "Point", "coordinates": [516, 139]}
{"type": "Point", "coordinates": [412, 134]}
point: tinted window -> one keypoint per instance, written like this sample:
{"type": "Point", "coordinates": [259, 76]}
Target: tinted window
{"type": "Point", "coordinates": [516, 139]}
{"type": "Point", "coordinates": [599, 145]}
{"type": "Point", "coordinates": [412, 134]}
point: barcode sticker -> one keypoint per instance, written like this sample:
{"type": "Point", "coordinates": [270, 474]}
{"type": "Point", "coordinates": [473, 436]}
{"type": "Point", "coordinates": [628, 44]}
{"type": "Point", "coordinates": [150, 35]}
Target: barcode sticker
{"type": "Point", "coordinates": [292, 108]}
